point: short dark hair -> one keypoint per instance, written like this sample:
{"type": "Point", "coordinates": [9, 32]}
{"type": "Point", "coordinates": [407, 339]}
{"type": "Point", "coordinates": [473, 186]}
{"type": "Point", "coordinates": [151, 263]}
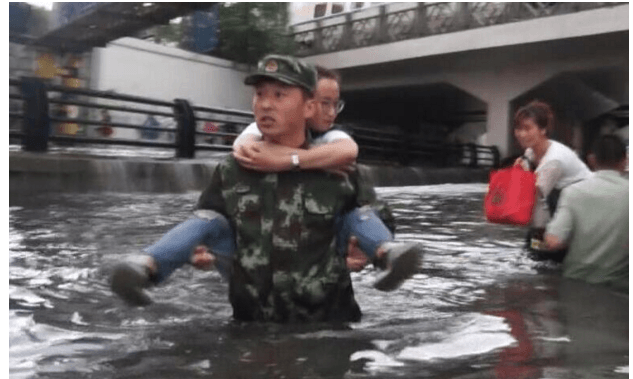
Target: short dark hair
{"type": "Point", "coordinates": [327, 73]}
{"type": "Point", "coordinates": [538, 111]}
{"type": "Point", "coordinates": [609, 150]}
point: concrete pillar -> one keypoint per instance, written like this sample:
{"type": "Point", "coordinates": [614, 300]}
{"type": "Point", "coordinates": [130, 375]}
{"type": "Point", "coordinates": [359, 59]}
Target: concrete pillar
{"type": "Point", "coordinates": [498, 127]}
{"type": "Point", "coordinates": [498, 89]}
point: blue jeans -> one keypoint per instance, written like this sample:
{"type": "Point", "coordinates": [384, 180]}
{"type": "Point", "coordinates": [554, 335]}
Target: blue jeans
{"type": "Point", "coordinates": [366, 226]}
{"type": "Point", "coordinates": [213, 230]}
{"type": "Point", "coordinates": [176, 247]}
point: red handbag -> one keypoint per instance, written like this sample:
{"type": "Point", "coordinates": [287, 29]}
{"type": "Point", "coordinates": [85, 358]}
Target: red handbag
{"type": "Point", "coordinates": [510, 197]}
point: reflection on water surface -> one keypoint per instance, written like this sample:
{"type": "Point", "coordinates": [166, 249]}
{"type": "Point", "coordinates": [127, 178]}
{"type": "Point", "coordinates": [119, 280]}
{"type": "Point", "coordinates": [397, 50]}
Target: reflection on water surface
{"type": "Point", "coordinates": [478, 307]}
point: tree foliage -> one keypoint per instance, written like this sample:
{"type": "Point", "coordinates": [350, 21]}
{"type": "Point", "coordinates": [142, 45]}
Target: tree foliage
{"type": "Point", "coordinates": [39, 20]}
{"type": "Point", "coordinates": [169, 33]}
{"type": "Point", "coordinates": [248, 31]}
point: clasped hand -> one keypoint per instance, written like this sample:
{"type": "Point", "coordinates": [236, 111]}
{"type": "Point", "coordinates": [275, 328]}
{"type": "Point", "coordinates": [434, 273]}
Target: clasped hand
{"type": "Point", "coordinates": [263, 156]}
{"type": "Point", "coordinates": [356, 260]}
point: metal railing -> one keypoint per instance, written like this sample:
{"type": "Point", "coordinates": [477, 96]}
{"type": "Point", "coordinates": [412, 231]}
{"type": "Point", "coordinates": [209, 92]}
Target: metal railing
{"type": "Point", "coordinates": [400, 21]}
{"type": "Point", "coordinates": [34, 124]}
{"type": "Point", "coordinates": [40, 113]}
{"type": "Point", "coordinates": [378, 146]}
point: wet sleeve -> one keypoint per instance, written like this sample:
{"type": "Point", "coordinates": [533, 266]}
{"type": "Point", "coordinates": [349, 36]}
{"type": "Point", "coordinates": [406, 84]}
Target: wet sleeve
{"type": "Point", "coordinates": [211, 198]}
{"type": "Point", "coordinates": [562, 223]}
{"type": "Point", "coordinates": [548, 176]}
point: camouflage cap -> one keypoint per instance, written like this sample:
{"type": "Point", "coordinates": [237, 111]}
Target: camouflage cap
{"type": "Point", "coordinates": [286, 69]}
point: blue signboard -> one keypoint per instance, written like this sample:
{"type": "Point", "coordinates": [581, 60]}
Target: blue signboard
{"type": "Point", "coordinates": [205, 30]}
{"type": "Point", "coordinates": [18, 16]}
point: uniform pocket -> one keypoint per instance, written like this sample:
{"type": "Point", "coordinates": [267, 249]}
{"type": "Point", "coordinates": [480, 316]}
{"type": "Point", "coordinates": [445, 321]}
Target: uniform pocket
{"type": "Point", "coordinates": [319, 207]}
{"type": "Point", "coordinates": [242, 203]}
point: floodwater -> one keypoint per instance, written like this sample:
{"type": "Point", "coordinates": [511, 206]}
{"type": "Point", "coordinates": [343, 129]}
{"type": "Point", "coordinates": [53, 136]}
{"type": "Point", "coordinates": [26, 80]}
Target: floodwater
{"type": "Point", "coordinates": [478, 307]}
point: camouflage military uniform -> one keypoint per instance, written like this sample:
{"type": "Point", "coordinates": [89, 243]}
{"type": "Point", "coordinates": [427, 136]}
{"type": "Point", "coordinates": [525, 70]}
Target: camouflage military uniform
{"type": "Point", "coordinates": [286, 268]}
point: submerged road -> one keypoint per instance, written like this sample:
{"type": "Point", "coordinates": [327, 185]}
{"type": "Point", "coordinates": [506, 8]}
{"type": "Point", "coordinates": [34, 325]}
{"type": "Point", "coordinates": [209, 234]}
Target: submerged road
{"type": "Point", "coordinates": [477, 308]}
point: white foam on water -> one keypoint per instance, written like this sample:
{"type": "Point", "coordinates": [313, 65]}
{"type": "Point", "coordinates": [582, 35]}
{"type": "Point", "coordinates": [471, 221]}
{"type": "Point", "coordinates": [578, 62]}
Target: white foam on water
{"type": "Point", "coordinates": [41, 281]}
{"type": "Point", "coordinates": [24, 327]}
{"type": "Point", "coordinates": [483, 334]}
{"type": "Point", "coordinates": [382, 344]}
{"type": "Point", "coordinates": [465, 346]}
{"type": "Point", "coordinates": [27, 298]}
{"type": "Point", "coordinates": [74, 274]}
{"type": "Point", "coordinates": [418, 208]}
{"type": "Point", "coordinates": [555, 339]}
{"type": "Point", "coordinates": [422, 236]}
{"type": "Point", "coordinates": [30, 344]}
{"type": "Point", "coordinates": [15, 240]}
{"type": "Point", "coordinates": [175, 320]}
{"type": "Point", "coordinates": [439, 189]}
{"type": "Point", "coordinates": [622, 370]}
{"type": "Point", "coordinates": [376, 359]}
{"type": "Point", "coordinates": [465, 223]}
{"type": "Point", "coordinates": [200, 366]}
{"type": "Point", "coordinates": [137, 322]}
{"type": "Point", "coordinates": [509, 244]}
{"type": "Point", "coordinates": [77, 319]}
{"type": "Point", "coordinates": [17, 272]}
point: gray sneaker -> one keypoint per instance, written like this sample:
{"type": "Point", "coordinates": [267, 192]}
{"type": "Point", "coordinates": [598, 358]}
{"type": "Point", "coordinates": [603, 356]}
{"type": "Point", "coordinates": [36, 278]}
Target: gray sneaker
{"type": "Point", "coordinates": [130, 278]}
{"type": "Point", "coordinates": [400, 263]}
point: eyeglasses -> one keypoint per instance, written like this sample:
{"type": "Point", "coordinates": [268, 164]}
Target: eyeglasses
{"type": "Point", "coordinates": [330, 105]}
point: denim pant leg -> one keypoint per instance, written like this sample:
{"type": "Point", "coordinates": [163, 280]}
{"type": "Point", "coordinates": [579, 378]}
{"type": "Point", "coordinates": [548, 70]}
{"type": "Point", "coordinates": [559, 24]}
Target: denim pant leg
{"type": "Point", "coordinates": [176, 247]}
{"type": "Point", "coordinates": [366, 226]}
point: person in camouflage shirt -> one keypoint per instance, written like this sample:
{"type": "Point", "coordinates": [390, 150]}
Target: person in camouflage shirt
{"type": "Point", "coordinates": [286, 267]}
{"type": "Point", "coordinates": [275, 232]}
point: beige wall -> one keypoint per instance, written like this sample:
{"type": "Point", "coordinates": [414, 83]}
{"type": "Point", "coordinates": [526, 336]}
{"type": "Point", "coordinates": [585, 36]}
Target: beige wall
{"type": "Point", "coordinates": [136, 67]}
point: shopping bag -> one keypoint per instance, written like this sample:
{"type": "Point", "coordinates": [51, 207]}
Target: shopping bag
{"type": "Point", "coordinates": [510, 197]}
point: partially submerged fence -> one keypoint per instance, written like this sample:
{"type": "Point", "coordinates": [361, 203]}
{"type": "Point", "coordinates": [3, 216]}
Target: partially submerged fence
{"type": "Point", "coordinates": [411, 150]}
{"type": "Point", "coordinates": [41, 113]}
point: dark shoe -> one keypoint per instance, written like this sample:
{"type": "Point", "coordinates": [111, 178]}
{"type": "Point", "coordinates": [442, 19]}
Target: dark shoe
{"type": "Point", "coordinates": [401, 262]}
{"type": "Point", "coordinates": [129, 279]}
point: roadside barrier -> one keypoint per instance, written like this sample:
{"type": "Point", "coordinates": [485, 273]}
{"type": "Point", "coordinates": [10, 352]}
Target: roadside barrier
{"type": "Point", "coordinates": [38, 115]}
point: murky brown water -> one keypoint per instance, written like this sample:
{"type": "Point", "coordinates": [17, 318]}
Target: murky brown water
{"type": "Point", "coordinates": [478, 308]}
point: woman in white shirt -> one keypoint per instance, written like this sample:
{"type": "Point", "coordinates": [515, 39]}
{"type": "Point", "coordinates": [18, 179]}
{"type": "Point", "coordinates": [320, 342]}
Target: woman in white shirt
{"type": "Point", "coordinates": [556, 165]}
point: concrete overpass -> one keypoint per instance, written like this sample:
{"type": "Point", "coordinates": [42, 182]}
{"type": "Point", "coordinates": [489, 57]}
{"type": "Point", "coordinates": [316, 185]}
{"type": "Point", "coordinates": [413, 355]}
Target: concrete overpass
{"type": "Point", "coordinates": [476, 77]}
{"type": "Point", "coordinates": [94, 24]}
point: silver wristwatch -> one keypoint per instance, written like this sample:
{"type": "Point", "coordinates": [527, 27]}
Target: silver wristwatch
{"type": "Point", "coordinates": [295, 161]}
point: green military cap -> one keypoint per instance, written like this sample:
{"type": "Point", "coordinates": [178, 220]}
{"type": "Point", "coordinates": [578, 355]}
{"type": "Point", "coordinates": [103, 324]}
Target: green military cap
{"type": "Point", "coordinates": [286, 69]}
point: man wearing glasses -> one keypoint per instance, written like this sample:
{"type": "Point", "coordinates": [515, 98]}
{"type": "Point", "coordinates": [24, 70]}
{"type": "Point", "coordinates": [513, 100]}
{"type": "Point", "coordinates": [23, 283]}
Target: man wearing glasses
{"type": "Point", "coordinates": [331, 149]}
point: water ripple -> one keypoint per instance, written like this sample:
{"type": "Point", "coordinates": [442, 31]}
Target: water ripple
{"type": "Point", "coordinates": [475, 298]}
